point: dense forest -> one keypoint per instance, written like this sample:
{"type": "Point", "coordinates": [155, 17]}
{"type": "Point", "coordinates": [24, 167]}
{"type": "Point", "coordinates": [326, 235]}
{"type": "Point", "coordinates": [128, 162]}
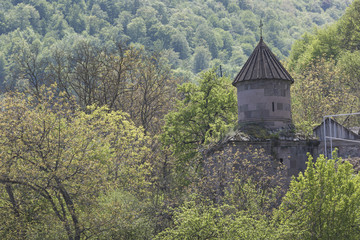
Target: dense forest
{"type": "Point", "coordinates": [109, 110]}
{"type": "Point", "coordinates": [192, 35]}
{"type": "Point", "coordinates": [326, 65]}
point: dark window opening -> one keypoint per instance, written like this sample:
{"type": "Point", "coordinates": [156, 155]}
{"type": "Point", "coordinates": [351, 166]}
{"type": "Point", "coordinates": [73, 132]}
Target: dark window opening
{"type": "Point", "coordinates": [273, 106]}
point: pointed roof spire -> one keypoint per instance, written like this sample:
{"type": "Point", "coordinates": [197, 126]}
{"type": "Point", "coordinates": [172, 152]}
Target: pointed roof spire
{"type": "Point", "coordinates": [262, 64]}
{"type": "Point", "coordinates": [261, 28]}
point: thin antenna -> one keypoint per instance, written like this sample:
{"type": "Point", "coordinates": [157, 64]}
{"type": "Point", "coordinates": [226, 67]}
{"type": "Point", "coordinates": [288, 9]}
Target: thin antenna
{"type": "Point", "coordinates": [261, 28]}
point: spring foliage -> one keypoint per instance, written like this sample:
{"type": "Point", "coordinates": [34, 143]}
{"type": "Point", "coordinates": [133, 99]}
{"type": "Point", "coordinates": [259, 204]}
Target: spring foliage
{"type": "Point", "coordinates": [322, 203]}
{"type": "Point", "coordinates": [204, 113]}
{"type": "Point", "coordinates": [64, 159]}
{"type": "Point", "coordinates": [325, 65]}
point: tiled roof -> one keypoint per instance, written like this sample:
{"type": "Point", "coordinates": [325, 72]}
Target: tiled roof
{"type": "Point", "coordinates": [262, 64]}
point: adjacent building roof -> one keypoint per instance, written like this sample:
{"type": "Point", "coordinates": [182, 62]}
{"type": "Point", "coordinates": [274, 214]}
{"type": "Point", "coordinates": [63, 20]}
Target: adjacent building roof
{"type": "Point", "coordinates": [335, 130]}
{"type": "Point", "coordinates": [262, 64]}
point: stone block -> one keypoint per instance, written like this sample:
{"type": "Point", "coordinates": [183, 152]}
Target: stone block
{"type": "Point", "coordinates": [260, 106]}
{"type": "Point", "coordinates": [247, 114]}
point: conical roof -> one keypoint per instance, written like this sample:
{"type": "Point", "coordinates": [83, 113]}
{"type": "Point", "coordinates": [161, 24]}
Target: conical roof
{"type": "Point", "coordinates": [262, 64]}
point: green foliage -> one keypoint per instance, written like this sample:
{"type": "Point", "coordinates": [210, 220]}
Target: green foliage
{"type": "Point", "coordinates": [120, 77]}
{"type": "Point", "coordinates": [206, 111]}
{"type": "Point", "coordinates": [2, 71]}
{"type": "Point", "coordinates": [201, 59]}
{"type": "Point", "coordinates": [120, 215]}
{"type": "Point", "coordinates": [348, 27]}
{"type": "Point", "coordinates": [324, 45]}
{"type": "Point", "coordinates": [322, 202]}
{"type": "Point", "coordinates": [91, 172]}
{"type": "Point", "coordinates": [136, 29]}
{"type": "Point", "coordinates": [180, 45]}
{"type": "Point", "coordinates": [214, 25]}
{"type": "Point", "coordinates": [321, 89]}
{"type": "Point", "coordinates": [328, 42]}
{"type": "Point", "coordinates": [57, 161]}
{"type": "Point", "coordinates": [325, 66]}
{"type": "Point", "coordinates": [204, 220]}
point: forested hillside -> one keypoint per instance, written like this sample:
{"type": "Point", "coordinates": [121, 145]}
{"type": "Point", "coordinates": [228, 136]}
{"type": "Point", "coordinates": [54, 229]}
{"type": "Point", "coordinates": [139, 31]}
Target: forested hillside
{"type": "Point", "coordinates": [108, 119]}
{"type": "Point", "coordinates": [192, 35]}
{"type": "Point", "coordinates": [326, 65]}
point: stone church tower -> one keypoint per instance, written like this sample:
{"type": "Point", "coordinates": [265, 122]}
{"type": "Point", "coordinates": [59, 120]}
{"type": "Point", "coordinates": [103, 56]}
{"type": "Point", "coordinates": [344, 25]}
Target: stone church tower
{"type": "Point", "coordinates": [264, 112]}
{"type": "Point", "coordinates": [263, 90]}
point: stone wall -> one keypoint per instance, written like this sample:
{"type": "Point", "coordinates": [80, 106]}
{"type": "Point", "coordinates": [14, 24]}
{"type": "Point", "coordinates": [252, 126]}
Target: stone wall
{"type": "Point", "coordinates": [291, 153]}
{"type": "Point", "coordinates": [264, 101]}
{"type": "Point", "coordinates": [345, 149]}
{"type": "Point", "coordinates": [242, 162]}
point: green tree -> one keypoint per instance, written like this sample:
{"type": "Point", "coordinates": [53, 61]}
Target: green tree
{"type": "Point", "coordinates": [180, 45]}
{"type": "Point", "coordinates": [64, 159]}
{"type": "Point", "coordinates": [161, 12]}
{"type": "Point", "coordinates": [76, 18]}
{"type": "Point", "coordinates": [349, 27]}
{"type": "Point", "coordinates": [123, 78]}
{"type": "Point", "coordinates": [203, 220]}
{"type": "Point", "coordinates": [31, 65]}
{"type": "Point", "coordinates": [58, 26]}
{"type": "Point", "coordinates": [2, 23]}
{"type": "Point", "coordinates": [2, 71]}
{"type": "Point", "coordinates": [204, 32]}
{"type": "Point", "coordinates": [299, 55]}
{"type": "Point", "coordinates": [328, 42]}
{"type": "Point", "coordinates": [23, 16]}
{"type": "Point", "coordinates": [95, 25]}
{"type": "Point", "coordinates": [349, 64]}
{"type": "Point", "coordinates": [164, 34]}
{"type": "Point", "coordinates": [245, 4]}
{"type": "Point", "coordinates": [228, 42]}
{"type": "Point", "coordinates": [206, 111]}
{"type": "Point", "coordinates": [98, 12]}
{"type": "Point", "coordinates": [201, 59]}
{"type": "Point", "coordinates": [149, 15]}
{"type": "Point", "coordinates": [322, 202]}
{"type": "Point", "coordinates": [120, 215]}
{"type": "Point", "coordinates": [321, 90]}
{"type": "Point", "coordinates": [147, 98]}
{"type": "Point", "coordinates": [136, 29]}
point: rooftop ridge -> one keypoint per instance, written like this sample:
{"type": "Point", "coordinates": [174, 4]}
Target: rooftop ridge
{"type": "Point", "coordinates": [262, 64]}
